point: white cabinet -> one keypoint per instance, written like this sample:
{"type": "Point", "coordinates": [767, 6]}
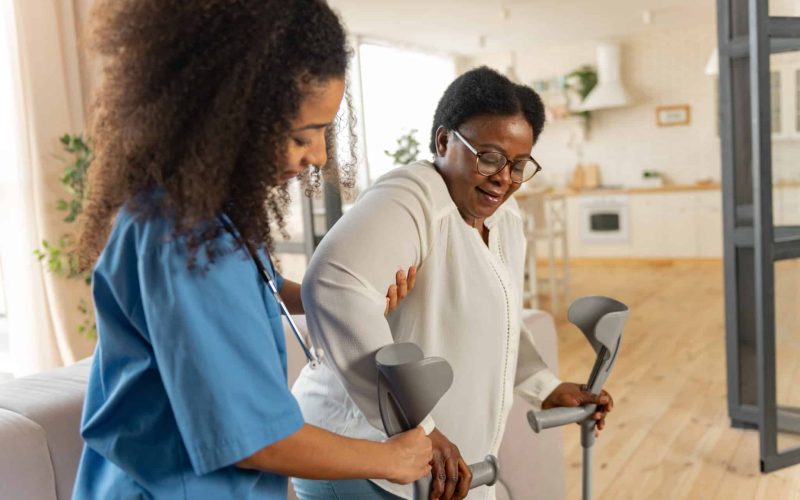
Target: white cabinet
{"type": "Point", "coordinates": [685, 224]}
{"type": "Point", "coordinates": [708, 224]}
{"type": "Point", "coordinates": [681, 224]}
{"type": "Point", "coordinates": [661, 225]}
{"type": "Point", "coordinates": [787, 211]}
{"type": "Point", "coordinates": [785, 95]}
{"type": "Point", "coordinates": [677, 225]}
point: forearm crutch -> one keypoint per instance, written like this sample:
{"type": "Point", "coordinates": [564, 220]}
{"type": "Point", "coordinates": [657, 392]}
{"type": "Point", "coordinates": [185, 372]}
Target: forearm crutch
{"type": "Point", "coordinates": [409, 386]}
{"type": "Point", "coordinates": [601, 319]}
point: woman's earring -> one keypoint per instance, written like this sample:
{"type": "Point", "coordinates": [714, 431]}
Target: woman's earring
{"type": "Point", "coordinates": [314, 185]}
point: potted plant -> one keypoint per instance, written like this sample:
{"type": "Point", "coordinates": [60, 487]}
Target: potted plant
{"type": "Point", "coordinates": [407, 149]}
{"type": "Point", "coordinates": [58, 255]}
{"type": "Point", "coordinates": [582, 80]}
{"type": "Point", "coordinates": [652, 178]}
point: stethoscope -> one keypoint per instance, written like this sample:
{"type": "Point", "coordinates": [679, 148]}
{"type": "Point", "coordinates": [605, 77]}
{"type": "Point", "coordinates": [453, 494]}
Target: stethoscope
{"type": "Point", "coordinates": [311, 356]}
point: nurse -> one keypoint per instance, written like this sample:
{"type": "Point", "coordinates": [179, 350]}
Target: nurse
{"type": "Point", "coordinates": [207, 109]}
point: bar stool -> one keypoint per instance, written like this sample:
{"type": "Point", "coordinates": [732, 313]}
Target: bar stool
{"type": "Point", "coordinates": [545, 219]}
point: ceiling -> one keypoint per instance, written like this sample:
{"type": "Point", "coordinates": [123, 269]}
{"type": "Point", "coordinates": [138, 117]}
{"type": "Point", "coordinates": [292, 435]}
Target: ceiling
{"type": "Point", "coordinates": [480, 26]}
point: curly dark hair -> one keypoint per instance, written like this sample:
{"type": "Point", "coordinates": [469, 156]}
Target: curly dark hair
{"type": "Point", "coordinates": [484, 91]}
{"type": "Point", "coordinates": [196, 104]}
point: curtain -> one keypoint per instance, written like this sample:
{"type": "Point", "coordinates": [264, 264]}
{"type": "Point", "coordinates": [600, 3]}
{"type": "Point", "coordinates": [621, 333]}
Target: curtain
{"type": "Point", "coordinates": [50, 82]}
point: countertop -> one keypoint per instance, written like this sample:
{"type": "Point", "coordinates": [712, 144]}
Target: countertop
{"type": "Point", "coordinates": [668, 188]}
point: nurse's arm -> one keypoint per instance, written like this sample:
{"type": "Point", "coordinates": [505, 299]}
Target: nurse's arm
{"type": "Point", "coordinates": [314, 453]}
{"type": "Point", "coordinates": [290, 294]}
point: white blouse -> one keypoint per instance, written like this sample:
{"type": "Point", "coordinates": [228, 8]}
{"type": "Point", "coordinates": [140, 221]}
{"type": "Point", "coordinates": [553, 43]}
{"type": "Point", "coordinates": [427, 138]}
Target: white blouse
{"type": "Point", "coordinates": [465, 307]}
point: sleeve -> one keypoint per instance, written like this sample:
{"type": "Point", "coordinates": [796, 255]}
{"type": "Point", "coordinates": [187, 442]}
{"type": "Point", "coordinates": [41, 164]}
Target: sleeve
{"type": "Point", "coordinates": [344, 289]}
{"type": "Point", "coordinates": [220, 361]}
{"type": "Point", "coordinates": [534, 381]}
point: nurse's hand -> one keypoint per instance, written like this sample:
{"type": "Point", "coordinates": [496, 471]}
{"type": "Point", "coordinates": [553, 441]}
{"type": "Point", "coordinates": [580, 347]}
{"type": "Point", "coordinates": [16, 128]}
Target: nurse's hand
{"type": "Point", "coordinates": [451, 474]}
{"type": "Point", "coordinates": [398, 291]}
{"type": "Point", "coordinates": [571, 394]}
{"type": "Point", "coordinates": [409, 456]}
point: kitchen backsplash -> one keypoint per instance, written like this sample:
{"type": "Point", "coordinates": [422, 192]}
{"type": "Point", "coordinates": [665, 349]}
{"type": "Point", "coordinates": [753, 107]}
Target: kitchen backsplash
{"type": "Point", "coordinates": [659, 68]}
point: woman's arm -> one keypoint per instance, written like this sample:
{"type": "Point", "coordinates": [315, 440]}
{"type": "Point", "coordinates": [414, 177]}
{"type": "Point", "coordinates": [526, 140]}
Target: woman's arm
{"type": "Point", "coordinates": [533, 381]}
{"type": "Point", "coordinates": [314, 453]}
{"type": "Point", "coordinates": [404, 283]}
{"type": "Point", "coordinates": [343, 290]}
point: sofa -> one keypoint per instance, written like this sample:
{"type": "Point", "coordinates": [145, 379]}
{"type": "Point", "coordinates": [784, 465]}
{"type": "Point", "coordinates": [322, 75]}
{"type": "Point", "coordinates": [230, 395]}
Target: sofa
{"type": "Point", "coordinates": [39, 441]}
{"type": "Point", "coordinates": [40, 444]}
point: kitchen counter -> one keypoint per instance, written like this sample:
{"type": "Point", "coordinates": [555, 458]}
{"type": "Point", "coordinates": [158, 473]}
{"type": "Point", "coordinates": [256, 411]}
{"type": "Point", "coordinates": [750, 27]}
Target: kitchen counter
{"type": "Point", "coordinates": [672, 221]}
{"type": "Point", "coordinates": [669, 188]}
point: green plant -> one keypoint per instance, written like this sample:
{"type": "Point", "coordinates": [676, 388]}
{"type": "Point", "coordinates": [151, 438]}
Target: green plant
{"type": "Point", "coordinates": [647, 174]}
{"type": "Point", "coordinates": [582, 81]}
{"type": "Point", "coordinates": [58, 255]}
{"type": "Point", "coordinates": [407, 149]}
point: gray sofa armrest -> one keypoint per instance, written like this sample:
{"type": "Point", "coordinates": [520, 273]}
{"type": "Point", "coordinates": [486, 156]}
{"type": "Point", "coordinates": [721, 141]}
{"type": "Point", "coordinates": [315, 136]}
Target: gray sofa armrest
{"type": "Point", "coordinates": [532, 465]}
{"type": "Point", "coordinates": [53, 402]}
{"type": "Point", "coordinates": [25, 467]}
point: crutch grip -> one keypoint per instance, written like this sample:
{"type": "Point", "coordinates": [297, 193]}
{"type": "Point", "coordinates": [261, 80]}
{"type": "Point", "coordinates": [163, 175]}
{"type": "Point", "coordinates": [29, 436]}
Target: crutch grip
{"type": "Point", "coordinates": [484, 473]}
{"type": "Point", "coordinates": [554, 417]}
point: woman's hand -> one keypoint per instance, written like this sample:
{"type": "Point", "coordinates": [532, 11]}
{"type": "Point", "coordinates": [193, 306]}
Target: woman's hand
{"type": "Point", "coordinates": [398, 291]}
{"type": "Point", "coordinates": [571, 394]}
{"type": "Point", "coordinates": [409, 457]}
{"type": "Point", "coordinates": [451, 475]}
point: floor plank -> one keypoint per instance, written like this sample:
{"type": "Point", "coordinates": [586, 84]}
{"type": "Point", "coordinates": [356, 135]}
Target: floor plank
{"type": "Point", "coordinates": [669, 435]}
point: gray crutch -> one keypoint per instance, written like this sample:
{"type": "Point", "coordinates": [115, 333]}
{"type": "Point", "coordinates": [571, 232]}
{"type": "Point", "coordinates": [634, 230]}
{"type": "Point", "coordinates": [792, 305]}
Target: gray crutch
{"type": "Point", "coordinates": [601, 319]}
{"type": "Point", "coordinates": [409, 386]}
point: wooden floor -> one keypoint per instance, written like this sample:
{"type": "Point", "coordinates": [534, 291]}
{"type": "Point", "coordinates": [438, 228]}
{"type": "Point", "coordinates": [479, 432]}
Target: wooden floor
{"type": "Point", "coordinates": [669, 435]}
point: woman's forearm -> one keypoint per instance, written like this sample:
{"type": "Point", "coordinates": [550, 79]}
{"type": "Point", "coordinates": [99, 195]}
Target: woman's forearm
{"type": "Point", "coordinates": [314, 453]}
{"type": "Point", "coordinates": [290, 293]}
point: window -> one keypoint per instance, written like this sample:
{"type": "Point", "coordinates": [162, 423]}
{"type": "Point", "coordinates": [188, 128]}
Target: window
{"type": "Point", "coordinates": [4, 343]}
{"type": "Point", "coordinates": [8, 156]}
{"type": "Point", "coordinates": [400, 90]}
{"type": "Point", "coordinates": [389, 100]}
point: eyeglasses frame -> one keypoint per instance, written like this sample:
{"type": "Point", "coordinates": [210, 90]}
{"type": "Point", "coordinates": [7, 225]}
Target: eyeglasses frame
{"type": "Point", "coordinates": [478, 155]}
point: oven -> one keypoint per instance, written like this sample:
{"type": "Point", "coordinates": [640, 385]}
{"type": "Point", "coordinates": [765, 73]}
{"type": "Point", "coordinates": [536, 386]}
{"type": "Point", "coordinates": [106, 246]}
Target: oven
{"type": "Point", "coordinates": [604, 218]}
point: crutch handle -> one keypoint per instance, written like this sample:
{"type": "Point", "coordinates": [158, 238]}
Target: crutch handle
{"type": "Point", "coordinates": [484, 473]}
{"type": "Point", "coordinates": [554, 417]}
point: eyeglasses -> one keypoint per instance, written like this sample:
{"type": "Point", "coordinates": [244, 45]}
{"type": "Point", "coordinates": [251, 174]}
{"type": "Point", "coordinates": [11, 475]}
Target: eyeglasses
{"type": "Point", "coordinates": [489, 163]}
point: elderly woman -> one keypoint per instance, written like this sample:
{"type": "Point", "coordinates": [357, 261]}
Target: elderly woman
{"type": "Point", "coordinates": [456, 221]}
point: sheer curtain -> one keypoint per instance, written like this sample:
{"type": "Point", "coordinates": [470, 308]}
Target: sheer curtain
{"type": "Point", "coordinates": [47, 85]}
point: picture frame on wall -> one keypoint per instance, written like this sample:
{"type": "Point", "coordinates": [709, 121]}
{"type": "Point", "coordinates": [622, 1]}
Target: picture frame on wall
{"type": "Point", "coordinates": [675, 115]}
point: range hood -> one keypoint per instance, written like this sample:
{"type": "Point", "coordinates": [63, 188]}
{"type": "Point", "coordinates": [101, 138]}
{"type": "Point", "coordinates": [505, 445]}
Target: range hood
{"type": "Point", "coordinates": [609, 91]}
{"type": "Point", "coordinates": [712, 66]}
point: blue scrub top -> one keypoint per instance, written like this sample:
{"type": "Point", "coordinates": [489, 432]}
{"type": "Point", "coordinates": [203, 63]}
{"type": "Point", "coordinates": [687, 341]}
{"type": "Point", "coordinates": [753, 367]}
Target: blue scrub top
{"type": "Point", "coordinates": [189, 373]}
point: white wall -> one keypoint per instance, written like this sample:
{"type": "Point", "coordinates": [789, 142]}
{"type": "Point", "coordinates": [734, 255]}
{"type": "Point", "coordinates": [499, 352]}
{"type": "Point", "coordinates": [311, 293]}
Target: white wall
{"type": "Point", "coordinates": [659, 68]}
